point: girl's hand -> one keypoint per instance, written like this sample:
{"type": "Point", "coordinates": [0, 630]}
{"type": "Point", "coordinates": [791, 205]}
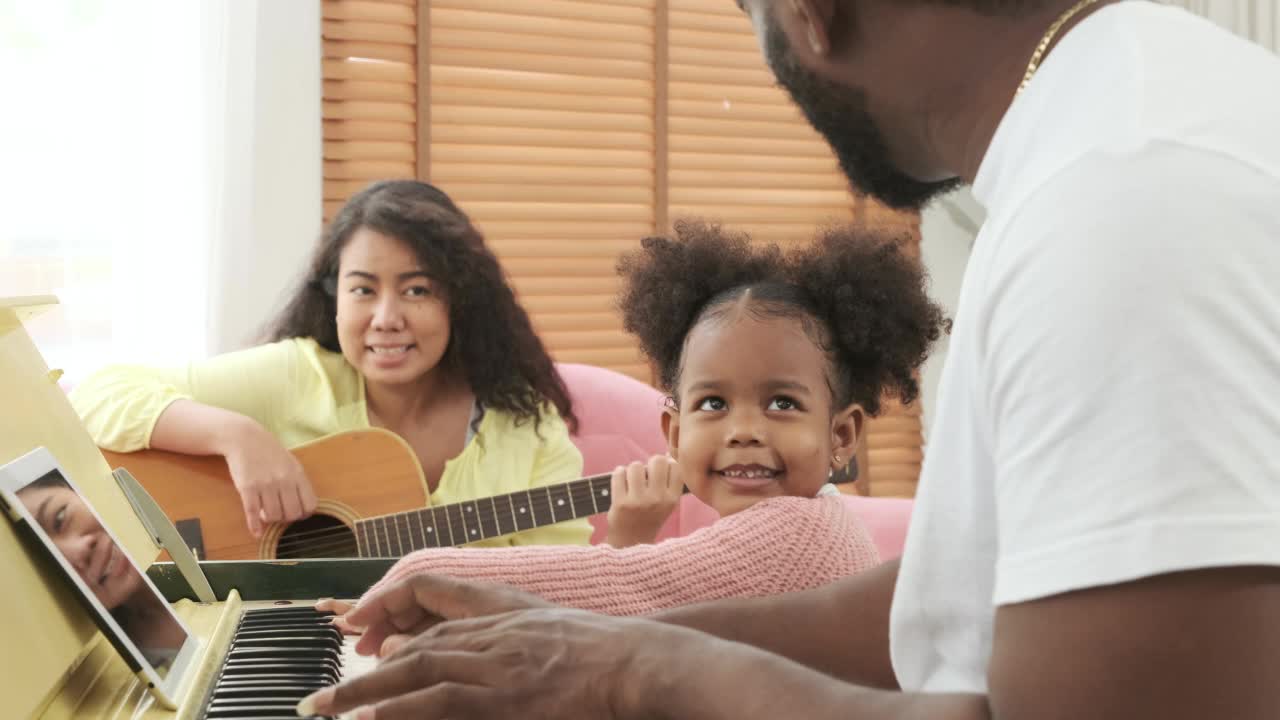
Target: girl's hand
{"type": "Point", "coordinates": [643, 499]}
{"type": "Point", "coordinates": [269, 478]}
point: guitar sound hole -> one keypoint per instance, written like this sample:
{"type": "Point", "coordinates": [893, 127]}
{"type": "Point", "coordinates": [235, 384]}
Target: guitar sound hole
{"type": "Point", "coordinates": [319, 536]}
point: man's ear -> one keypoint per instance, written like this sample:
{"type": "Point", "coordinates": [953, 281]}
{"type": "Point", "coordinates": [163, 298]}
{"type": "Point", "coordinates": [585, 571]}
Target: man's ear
{"type": "Point", "coordinates": [671, 428]}
{"type": "Point", "coordinates": [813, 19]}
{"type": "Point", "coordinates": [846, 428]}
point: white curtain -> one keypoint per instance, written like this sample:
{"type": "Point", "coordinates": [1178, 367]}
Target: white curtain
{"type": "Point", "coordinates": [160, 172]}
{"type": "Point", "coordinates": [1258, 20]}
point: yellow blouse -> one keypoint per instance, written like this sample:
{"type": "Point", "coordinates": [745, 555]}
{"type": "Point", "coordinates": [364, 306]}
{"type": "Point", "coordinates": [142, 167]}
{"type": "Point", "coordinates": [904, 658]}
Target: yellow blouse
{"type": "Point", "coordinates": [300, 392]}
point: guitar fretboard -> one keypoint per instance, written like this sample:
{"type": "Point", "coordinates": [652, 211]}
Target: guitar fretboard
{"type": "Point", "coordinates": [460, 523]}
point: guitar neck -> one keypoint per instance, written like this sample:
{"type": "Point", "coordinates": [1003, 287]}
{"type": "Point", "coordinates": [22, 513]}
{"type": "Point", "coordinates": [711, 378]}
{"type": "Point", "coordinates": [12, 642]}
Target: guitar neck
{"type": "Point", "coordinates": [460, 523]}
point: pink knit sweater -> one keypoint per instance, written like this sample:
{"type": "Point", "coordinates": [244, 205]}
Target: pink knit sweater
{"type": "Point", "coordinates": [775, 546]}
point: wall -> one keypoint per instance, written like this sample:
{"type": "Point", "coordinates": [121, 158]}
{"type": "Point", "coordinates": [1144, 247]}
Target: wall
{"type": "Point", "coordinates": [947, 230]}
{"type": "Point", "coordinates": [1258, 20]}
{"type": "Point", "coordinates": [268, 214]}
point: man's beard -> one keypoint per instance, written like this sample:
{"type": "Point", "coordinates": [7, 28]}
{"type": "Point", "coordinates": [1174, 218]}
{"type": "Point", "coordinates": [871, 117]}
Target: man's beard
{"type": "Point", "coordinates": [840, 115]}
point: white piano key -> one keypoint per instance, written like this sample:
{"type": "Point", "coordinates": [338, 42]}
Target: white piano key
{"type": "Point", "coordinates": [354, 665]}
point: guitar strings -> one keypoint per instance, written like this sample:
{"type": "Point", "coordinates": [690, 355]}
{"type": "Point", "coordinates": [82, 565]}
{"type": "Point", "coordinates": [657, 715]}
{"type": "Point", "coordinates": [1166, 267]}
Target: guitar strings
{"type": "Point", "coordinates": [326, 537]}
{"type": "Point", "coordinates": [328, 550]}
{"type": "Point", "coordinates": [573, 492]}
{"type": "Point", "coordinates": [538, 504]}
{"type": "Point", "coordinates": [395, 532]}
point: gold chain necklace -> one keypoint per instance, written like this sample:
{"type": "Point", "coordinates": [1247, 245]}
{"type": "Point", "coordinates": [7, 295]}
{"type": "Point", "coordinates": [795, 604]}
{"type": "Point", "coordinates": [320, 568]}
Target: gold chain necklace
{"type": "Point", "coordinates": [1049, 34]}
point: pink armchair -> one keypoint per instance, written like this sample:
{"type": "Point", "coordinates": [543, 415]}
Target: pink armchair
{"type": "Point", "coordinates": [619, 421]}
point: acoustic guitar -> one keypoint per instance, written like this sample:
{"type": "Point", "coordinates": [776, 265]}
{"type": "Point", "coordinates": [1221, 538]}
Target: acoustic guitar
{"type": "Point", "coordinates": [373, 502]}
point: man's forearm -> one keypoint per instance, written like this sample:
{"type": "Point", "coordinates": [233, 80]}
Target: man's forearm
{"type": "Point", "coordinates": [800, 626]}
{"type": "Point", "coordinates": [747, 683]}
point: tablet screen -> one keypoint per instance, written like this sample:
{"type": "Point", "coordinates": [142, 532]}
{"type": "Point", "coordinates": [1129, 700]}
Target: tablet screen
{"type": "Point", "coordinates": [105, 568]}
{"type": "Point", "coordinates": [128, 605]}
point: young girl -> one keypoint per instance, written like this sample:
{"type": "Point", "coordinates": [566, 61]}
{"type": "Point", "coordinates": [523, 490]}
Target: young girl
{"type": "Point", "coordinates": [404, 321]}
{"type": "Point", "coordinates": [772, 361]}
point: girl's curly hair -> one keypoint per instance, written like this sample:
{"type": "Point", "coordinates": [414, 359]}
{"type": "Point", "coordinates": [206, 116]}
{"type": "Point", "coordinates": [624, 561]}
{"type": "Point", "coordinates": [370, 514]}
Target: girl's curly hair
{"type": "Point", "coordinates": [491, 343]}
{"type": "Point", "coordinates": [858, 296]}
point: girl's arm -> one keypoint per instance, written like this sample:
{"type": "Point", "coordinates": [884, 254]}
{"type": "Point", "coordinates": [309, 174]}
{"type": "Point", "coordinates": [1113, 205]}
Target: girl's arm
{"type": "Point", "coordinates": [777, 546]}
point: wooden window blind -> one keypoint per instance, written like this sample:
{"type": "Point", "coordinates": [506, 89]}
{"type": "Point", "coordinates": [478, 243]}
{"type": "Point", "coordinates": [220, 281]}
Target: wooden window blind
{"type": "Point", "coordinates": [542, 128]}
{"type": "Point", "coordinates": [569, 129]}
{"type": "Point", "coordinates": [739, 150]}
{"type": "Point", "coordinates": [370, 94]}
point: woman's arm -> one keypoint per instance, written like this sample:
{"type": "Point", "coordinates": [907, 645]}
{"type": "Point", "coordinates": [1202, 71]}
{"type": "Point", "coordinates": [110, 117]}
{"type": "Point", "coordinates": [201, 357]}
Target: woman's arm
{"type": "Point", "coordinates": [272, 484]}
{"type": "Point", "coordinates": [225, 406]}
{"type": "Point", "coordinates": [121, 405]}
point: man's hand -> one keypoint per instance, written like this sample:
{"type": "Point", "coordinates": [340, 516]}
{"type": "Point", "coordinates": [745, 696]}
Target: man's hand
{"type": "Point", "coordinates": [542, 664]}
{"type": "Point", "coordinates": [415, 604]}
{"type": "Point", "coordinates": [339, 608]}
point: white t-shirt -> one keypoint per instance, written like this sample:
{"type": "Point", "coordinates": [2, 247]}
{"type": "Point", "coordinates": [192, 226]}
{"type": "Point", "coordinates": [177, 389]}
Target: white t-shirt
{"type": "Point", "coordinates": [1110, 407]}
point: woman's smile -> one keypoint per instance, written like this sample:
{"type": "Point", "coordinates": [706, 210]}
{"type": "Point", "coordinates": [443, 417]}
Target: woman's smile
{"type": "Point", "coordinates": [390, 356]}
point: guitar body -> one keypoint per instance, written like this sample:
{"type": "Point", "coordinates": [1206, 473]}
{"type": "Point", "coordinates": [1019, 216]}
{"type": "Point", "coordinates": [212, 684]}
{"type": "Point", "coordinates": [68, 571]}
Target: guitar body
{"type": "Point", "coordinates": [356, 474]}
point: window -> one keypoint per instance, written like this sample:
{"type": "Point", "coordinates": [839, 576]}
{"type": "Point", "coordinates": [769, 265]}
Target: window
{"type": "Point", "coordinates": [103, 177]}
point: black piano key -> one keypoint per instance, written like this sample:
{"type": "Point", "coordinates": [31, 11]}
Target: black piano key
{"type": "Point", "coordinates": [288, 624]}
{"type": "Point", "coordinates": [296, 622]}
{"type": "Point", "coordinates": [259, 709]}
{"type": "Point", "coordinates": [269, 678]}
{"type": "Point", "coordinates": [285, 642]}
{"type": "Point", "coordinates": [280, 612]}
{"type": "Point", "coordinates": [246, 696]}
{"type": "Point", "coordinates": [283, 653]}
{"type": "Point", "coordinates": [254, 715]}
{"type": "Point", "coordinates": [318, 637]}
{"type": "Point", "coordinates": [315, 670]}
{"type": "Point", "coordinates": [277, 656]}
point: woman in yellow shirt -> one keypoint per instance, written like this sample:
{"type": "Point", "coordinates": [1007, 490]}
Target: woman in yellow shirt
{"type": "Point", "coordinates": [404, 321]}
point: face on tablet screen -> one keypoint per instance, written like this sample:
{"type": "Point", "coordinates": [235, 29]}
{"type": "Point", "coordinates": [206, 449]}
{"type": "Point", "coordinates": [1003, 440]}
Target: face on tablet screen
{"type": "Point", "coordinates": [104, 567]}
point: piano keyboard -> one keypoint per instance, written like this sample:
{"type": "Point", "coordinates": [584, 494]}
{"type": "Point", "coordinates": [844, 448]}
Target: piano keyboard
{"type": "Point", "coordinates": [277, 657]}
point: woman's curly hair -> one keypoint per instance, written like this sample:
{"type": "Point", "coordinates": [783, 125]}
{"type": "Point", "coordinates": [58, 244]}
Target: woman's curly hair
{"type": "Point", "coordinates": [858, 296]}
{"type": "Point", "coordinates": [492, 343]}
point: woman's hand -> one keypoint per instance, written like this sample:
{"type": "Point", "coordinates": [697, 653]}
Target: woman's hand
{"type": "Point", "coordinates": [269, 478]}
{"type": "Point", "coordinates": [643, 498]}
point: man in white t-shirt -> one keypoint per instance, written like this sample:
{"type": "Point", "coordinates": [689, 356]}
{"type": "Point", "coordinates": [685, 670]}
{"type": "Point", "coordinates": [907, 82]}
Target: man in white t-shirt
{"type": "Point", "coordinates": [1097, 530]}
